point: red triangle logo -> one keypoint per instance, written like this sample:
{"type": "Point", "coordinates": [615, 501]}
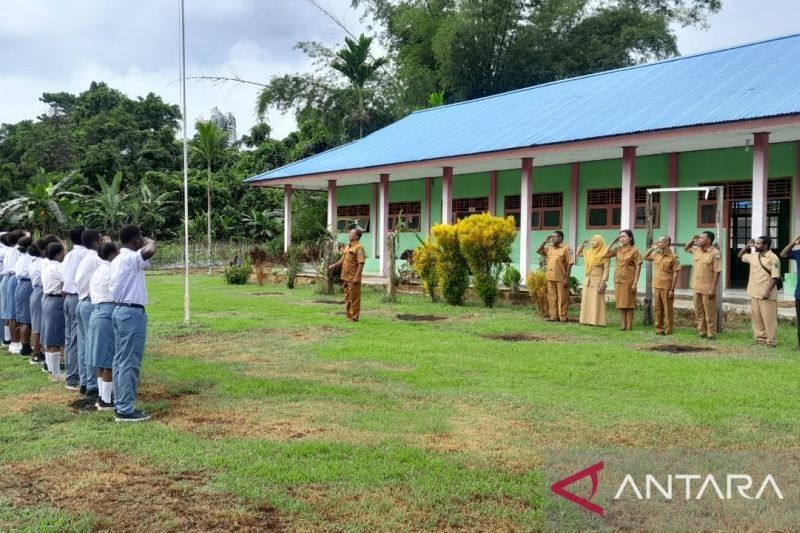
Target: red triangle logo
{"type": "Point", "coordinates": [559, 488]}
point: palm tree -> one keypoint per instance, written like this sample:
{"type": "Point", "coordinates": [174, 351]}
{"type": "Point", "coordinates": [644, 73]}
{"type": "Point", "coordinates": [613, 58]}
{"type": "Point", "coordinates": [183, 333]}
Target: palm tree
{"type": "Point", "coordinates": [45, 204]}
{"type": "Point", "coordinates": [353, 62]}
{"type": "Point", "coordinates": [261, 224]}
{"type": "Point", "coordinates": [108, 208]}
{"type": "Point", "coordinates": [209, 144]}
{"type": "Point", "coordinates": [147, 211]}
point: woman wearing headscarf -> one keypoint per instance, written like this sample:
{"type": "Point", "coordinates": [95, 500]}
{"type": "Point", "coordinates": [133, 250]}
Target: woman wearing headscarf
{"type": "Point", "coordinates": [626, 276]}
{"type": "Point", "coordinates": [593, 302]}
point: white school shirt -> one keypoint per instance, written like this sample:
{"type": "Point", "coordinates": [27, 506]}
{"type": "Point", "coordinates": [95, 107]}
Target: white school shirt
{"type": "Point", "coordinates": [22, 266]}
{"type": "Point", "coordinates": [3, 249]}
{"type": "Point", "coordinates": [52, 277]}
{"type": "Point", "coordinates": [83, 274]}
{"type": "Point", "coordinates": [126, 278]}
{"type": "Point", "coordinates": [10, 260]}
{"type": "Point", "coordinates": [70, 266]}
{"type": "Point", "coordinates": [36, 271]}
{"type": "Point", "coordinates": [99, 287]}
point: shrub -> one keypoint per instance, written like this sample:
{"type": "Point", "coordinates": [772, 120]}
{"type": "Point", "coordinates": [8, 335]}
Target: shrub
{"type": "Point", "coordinates": [485, 243]}
{"type": "Point", "coordinates": [293, 264]}
{"type": "Point", "coordinates": [537, 287]}
{"type": "Point", "coordinates": [258, 256]}
{"type": "Point", "coordinates": [452, 266]}
{"type": "Point", "coordinates": [426, 265]}
{"type": "Point", "coordinates": [237, 274]}
{"type": "Point", "coordinates": [511, 278]}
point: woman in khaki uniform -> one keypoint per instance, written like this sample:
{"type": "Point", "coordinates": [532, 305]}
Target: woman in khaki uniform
{"type": "Point", "coordinates": [593, 301]}
{"type": "Point", "coordinates": [626, 276]}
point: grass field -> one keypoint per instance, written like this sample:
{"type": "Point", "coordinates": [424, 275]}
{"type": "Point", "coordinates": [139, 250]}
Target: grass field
{"type": "Point", "coordinates": [272, 411]}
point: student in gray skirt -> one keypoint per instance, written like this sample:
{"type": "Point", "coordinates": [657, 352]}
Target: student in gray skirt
{"type": "Point", "coordinates": [101, 330]}
{"type": "Point", "coordinates": [53, 309]}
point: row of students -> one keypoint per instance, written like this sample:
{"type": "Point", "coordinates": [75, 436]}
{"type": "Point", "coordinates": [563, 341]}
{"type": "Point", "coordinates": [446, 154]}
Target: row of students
{"type": "Point", "coordinates": [762, 284]}
{"type": "Point", "coordinates": [85, 305]}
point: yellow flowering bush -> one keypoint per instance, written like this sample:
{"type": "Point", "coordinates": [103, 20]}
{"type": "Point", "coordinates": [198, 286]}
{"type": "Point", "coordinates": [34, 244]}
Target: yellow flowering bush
{"type": "Point", "coordinates": [452, 267]}
{"type": "Point", "coordinates": [537, 287]}
{"type": "Point", "coordinates": [426, 265]}
{"type": "Point", "coordinates": [485, 242]}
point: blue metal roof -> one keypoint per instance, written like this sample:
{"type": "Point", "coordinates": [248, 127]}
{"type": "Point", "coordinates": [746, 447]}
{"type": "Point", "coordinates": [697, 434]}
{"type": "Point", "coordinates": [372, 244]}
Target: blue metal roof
{"type": "Point", "coordinates": [745, 82]}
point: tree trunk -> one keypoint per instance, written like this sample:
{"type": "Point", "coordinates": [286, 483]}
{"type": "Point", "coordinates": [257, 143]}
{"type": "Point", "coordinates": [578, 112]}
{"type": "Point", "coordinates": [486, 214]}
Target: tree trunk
{"type": "Point", "coordinates": [208, 218]}
{"type": "Point", "coordinates": [360, 113]}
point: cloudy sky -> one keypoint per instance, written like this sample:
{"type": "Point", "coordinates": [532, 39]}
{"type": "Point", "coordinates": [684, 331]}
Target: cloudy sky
{"type": "Point", "coordinates": [62, 45]}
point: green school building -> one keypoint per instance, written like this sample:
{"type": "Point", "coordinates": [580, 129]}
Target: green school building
{"type": "Point", "coordinates": [578, 156]}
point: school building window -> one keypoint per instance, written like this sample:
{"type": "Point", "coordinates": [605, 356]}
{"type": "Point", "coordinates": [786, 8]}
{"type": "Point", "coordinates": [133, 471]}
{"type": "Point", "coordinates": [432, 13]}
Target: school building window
{"type": "Point", "coordinates": [546, 209]}
{"type": "Point", "coordinates": [604, 208]}
{"type": "Point", "coordinates": [409, 212]}
{"type": "Point", "coordinates": [351, 216]}
{"type": "Point", "coordinates": [464, 207]}
{"type": "Point", "coordinates": [777, 189]}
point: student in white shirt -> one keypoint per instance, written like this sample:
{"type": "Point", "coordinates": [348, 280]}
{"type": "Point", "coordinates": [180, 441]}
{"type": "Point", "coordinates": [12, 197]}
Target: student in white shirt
{"type": "Point", "coordinates": [36, 298]}
{"type": "Point", "coordinates": [70, 266]}
{"type": "Point", "coordinates": [129, 318]}
{"type": "Point", "coordinates": [91, 241]}
{"type": "Point", "coordinates": [9, 309]}
{"type": "Point", "coordinates": [6, 332]}
{"type": "Point", "coordinates": [22, 295]}
{"type": "Point", "coordinates": [53, 309]}
{"type": "Point", "coordinates": [101, 328]}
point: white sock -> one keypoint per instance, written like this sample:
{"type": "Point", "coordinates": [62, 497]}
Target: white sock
{"type": "Point", "coordinates": [56, 368]}
{"type": "Point", "coordinates": [48, 358]}
{"type": "Point", "coordinates": [107, 386]}
{"type": "Point", "coordinates": [100, 385]}
{"type": "Point", "coordinates": [8, 333]}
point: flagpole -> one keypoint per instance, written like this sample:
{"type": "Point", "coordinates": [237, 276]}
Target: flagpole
{"type": "Point", "coordinates": [186, 313]}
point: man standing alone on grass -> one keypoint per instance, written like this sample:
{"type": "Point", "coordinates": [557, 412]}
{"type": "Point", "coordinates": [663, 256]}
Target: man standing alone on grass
{"type": "Point", "coordinates": [705, 279]}
{"type": "Point", "coordinates": [792, 251]}
{"type": "Point", "coordinates": [559, 265]}
{"type": "Point", "coordinates": [666, 267]}
{"type": "Point", "coordinates": [762, 287]}
{"type": "Point", "coordinates": [74, 379]}
{"type": "Point", "coordinates": [127, 284]}
{"type": "Point", "coordinates": [352, 263]}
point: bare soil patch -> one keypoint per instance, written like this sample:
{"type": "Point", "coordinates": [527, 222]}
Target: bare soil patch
{"type": "Point", "coordinates": [679, 348]}
{"type": "Point", "coordinates": [124, 495]}
{"type": "Point", "coordinates": [420, 318]}
{"type": "Point", "coordinates": [25, 403]}
{"type": "Point", "coordinates": [514, 337]}
{"type": "Point", "coordinates": [330, 302]}
{"type": "Point", "coordinates": [266, 293]}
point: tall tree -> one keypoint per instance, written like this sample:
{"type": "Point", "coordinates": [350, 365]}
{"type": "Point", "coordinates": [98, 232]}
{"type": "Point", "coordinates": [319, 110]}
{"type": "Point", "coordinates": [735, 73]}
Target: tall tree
{"type": "Point", "coordinates": [353, 61]}
{"type": "Point", "coordinates": [209, 144]}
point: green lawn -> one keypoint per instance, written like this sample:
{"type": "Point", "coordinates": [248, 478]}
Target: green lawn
{"type": "Point", "coordinates": [273, 411]}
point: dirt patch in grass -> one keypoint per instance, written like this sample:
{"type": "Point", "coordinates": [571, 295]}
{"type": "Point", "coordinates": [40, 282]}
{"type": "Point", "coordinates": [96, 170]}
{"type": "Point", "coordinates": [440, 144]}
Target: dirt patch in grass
{"type": "Point", "coordinates": [266, 293]}
{"type": "Point", "coordinates": [679, 348]}
{"type": "Point", "coordinates": [83, 404]}
{"type": "Point", "coordinates": [514, 337]}
{"type": "Point", "coordinates": [124, 495]}
{"type": "Point", "coordinates": [330, 302]}
{"type": "Point", "coordinates": [25, 403]}
{"type": "Point", "coordinates": [420, 318]}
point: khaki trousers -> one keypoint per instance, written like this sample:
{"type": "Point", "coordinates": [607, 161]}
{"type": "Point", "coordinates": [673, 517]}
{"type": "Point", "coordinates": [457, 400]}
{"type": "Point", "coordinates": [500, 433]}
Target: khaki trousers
{"type": "Point", "coordinates": [352, 299]}
{"type": "Point", "coordinates": [557, 300]}
{"type": "Point", "coordinates": [764, 315]}
{"type": "Point", "coordinates": [663, 309]}
{"type": "Point", "coordinates": [705, 312]}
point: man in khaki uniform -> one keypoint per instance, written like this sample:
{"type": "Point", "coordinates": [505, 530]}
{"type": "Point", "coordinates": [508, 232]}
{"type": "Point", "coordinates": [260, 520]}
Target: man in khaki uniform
{"type": "Point", "coordinates": [762, 287]}
{"type": "Point", "coordinates": [352, 263]}
{"type": "Point", "coordinates": [666, 267]}
{"type": "Point", "coordinates": [705, 278]}
{"type": "Point", "coordinates": [559, 265]}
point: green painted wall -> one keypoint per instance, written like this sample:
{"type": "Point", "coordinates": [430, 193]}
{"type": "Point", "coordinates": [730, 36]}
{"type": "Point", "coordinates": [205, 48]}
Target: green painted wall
{"type": "Point", "coordinates": [693, 168]}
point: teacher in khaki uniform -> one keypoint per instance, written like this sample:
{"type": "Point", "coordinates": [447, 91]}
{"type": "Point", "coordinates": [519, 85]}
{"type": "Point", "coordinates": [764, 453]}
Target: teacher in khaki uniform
{"type": "Point", "coordinates": [666, 267]}
{"type": "Point", "coordinates": [352, 263]}
{"type": "Point", "coordinates": [559, 265]}
{"type": "Point", "coordinates": [762, 287]}
{"type": "Point", "coordinates": [705, 278]}
{"type": "Point", "coordinates": [626, 276]}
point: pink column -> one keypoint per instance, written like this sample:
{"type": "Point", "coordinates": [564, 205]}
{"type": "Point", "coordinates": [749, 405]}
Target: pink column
{"type": "Point", "coordinates": [493, 192]}
{"type": "Point", "coordinates": [383, 222]}
{"type": "Point", "coordinates": [573, 205]}
{"type": "Point", "coordinates": [628, 187]}
{"type": "Point", "coordinates": [760, 177]}
{"type": "Point", "coordinates": [332, 205]}
{"type": "Point", "coordinates": [426, 220]}
{"type": "Point", "coordinates": [672, 198]}
{"type": "Point", "coordinates": [287, 217]}
{"type": "Point", "coordinates": [447, 195]}
{"type": "Point", "coordinates": [525, 192]}
{"type": "Point", "coordinates": [373, 222]}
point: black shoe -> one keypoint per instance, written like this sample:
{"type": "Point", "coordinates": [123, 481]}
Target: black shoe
{"type": "Point", "coordinates": [92, 395]}
{"type": "Point", "coordinates": [26, 350]}
{"type": "Point", "coordinates": [135, 416]}
{"type": "Point", "coordinates": [103, 406]}
{"type": "Point", "coordinates": [82, 390]}
{"type": "Point", "coordinates": [44, 368]}
{"type": "Point", "coordinates": [36, 359]}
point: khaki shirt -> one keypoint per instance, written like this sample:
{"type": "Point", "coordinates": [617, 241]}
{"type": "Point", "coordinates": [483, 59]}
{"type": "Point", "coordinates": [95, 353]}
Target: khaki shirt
{"type": "Point", "coordinates": [760, 280]}
{"type": "Point", "coordinates": [706, 264]}
{"type": "Point", "coordinates": [353, 256]}
{"type": "Point", "coordinates": [627, 260]}
{"type": "Point", "coordinates": [665, 265]}
{"type": "Point", "coordinates": [558, 259]}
